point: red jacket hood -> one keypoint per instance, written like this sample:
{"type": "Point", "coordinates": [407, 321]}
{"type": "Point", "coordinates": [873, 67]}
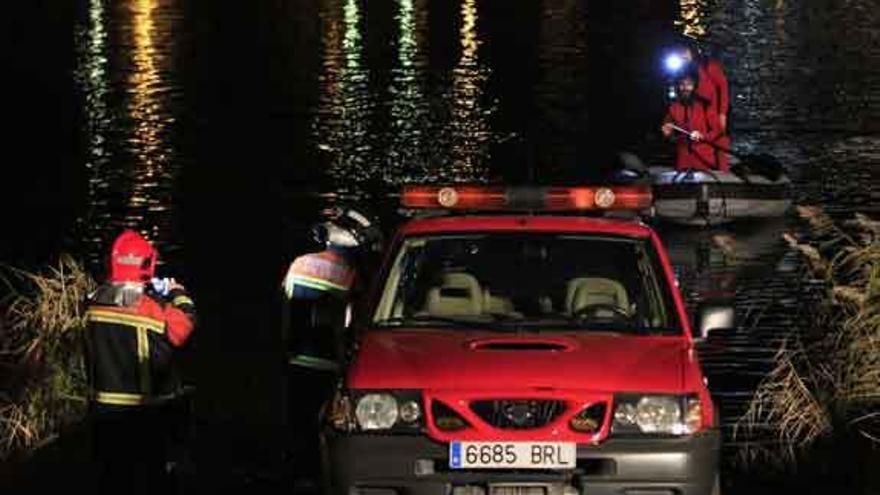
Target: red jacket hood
{"type": "Point", "coordinates": [457, 359]}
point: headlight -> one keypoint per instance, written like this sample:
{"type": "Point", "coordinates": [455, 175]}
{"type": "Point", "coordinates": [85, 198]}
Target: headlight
{"type": "Point", "coordinates": [658, 414]}
{"type": "Point", "coordinates": [376, 412]}
{"type": "Point", "coordinates": [674, 63]}
{"type": "Point", "coordinates": [397, 411]}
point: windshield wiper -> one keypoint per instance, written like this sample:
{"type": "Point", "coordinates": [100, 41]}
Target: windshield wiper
{"type": "Point", "coordinates": [617, 326]}
{"type": "Point", "coordinates": [421, 320]}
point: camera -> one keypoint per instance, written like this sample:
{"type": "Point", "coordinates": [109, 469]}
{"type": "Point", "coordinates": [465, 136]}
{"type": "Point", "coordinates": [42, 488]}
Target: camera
{"type": "Point", "coordinates": [161, 286]}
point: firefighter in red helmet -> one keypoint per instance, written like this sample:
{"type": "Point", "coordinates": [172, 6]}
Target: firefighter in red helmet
{"type": "Point", "coordinates": [134, 325]}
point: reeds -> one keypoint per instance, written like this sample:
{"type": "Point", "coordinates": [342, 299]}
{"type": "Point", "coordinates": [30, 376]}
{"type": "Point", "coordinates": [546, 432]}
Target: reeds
{"type": "Point", "coordinates": [42, 378]}
{"type": "Point", "coordinates": [826, 379]}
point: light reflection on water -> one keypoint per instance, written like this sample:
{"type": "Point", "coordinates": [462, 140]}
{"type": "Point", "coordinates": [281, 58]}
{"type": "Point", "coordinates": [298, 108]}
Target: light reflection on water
{"type": "Point", "coordinates": [691, 21]}
{"type": "Point", "coordinates": [92, 78]}
{"type": "Point", "coordinates": [345, 108]}
{"type": "Point", "coordinates": [148, 113]}
{"type": "Point", "coordinates": [125, 78]}
{"type": "Point", "coordinates": [469, 123]}
{"type": "Point", "coordinates": [793, 67]}
{"type": "Point", "coordinates": [410, 127]}
{"type": "Point", "coordinates": [425, 124]}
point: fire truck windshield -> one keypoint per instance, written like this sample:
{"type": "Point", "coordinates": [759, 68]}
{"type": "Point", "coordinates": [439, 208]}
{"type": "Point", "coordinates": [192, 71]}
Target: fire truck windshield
{"type": "Point", "coordinates": [531, 282]}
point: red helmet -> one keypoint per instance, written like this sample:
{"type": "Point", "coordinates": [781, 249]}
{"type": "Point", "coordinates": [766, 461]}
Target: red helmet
{"type": "Point", "coordinates": [133, 258]}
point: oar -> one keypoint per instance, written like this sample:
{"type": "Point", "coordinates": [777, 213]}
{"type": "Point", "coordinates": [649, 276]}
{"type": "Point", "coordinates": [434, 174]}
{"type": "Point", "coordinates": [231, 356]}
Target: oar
{"type": "Point", "coordinates": [762, 164]}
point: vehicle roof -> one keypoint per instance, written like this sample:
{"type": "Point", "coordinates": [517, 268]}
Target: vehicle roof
{"type": "Point", "coordinates": [524, 223]}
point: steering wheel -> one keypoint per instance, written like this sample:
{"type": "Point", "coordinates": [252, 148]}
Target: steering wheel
{"type": "Point", "coordinates": [592, 310]}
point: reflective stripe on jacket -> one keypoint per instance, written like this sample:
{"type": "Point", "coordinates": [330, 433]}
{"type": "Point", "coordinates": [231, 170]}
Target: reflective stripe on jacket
{"type": "Point", "coordinates": [326, 271]}
{"type": "Point", "coordinates": [129, 349]}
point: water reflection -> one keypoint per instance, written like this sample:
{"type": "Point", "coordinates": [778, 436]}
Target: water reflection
{"type": "Point", "coordinates": [146, 107]}
{"type": "Point", "coordinates": [411, 130]}
{"type": "Point", "coordinates": [469, 123]}
{"type": "Point", "coordinates": [732, 264]}
{"type": "Point", "coordinates": [424, 127]}
{"type": "Point", "coordinates": [345, 107]}
{"type": "Point", "coordinates": [150, 118]}
{"type": "Point", "coordinates": [129, 92]}
{"type": "Point", "coordinates": [91, 75]}
{"type": "Point", "coordinates": [692, 18]}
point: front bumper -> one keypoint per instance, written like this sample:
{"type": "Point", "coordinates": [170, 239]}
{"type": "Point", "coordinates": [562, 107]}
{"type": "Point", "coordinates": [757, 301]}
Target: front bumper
{"type": "Point", "coordinates": [415, 465]}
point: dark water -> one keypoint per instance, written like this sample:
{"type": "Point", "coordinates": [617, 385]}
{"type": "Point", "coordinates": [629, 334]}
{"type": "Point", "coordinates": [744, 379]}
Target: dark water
{"type": "Point", "coordinates": [411, 91]}
{"type": "Point", "coordinates": [349, 99]}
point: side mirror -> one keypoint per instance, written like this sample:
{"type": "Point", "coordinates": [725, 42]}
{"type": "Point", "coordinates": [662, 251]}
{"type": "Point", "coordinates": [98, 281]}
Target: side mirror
{"type": "Point", "coordinates": [713, 316]}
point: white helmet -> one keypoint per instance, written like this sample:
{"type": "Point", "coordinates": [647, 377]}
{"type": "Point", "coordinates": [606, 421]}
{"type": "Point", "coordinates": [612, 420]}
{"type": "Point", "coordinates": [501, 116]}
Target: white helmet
{"type": "Point", "coordinates": [349, 228]}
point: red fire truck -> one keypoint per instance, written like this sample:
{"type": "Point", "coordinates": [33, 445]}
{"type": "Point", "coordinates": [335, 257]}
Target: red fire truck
{"type": "Point", "coordinates": [517, 342]}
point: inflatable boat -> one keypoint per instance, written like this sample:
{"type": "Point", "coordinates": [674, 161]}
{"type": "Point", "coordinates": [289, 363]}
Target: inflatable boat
{"type": "Point", "coordinates": [704, 198]}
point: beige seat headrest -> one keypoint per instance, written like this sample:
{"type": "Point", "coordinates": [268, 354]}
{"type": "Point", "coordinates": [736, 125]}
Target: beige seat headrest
{"type": "Point", "coordinates": [589, 291]}
{"type": "Point", "coordinates": [459, 293]}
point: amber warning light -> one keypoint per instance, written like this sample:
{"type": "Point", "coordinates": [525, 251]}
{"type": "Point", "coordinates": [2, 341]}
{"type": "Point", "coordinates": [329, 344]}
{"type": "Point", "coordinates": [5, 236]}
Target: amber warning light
{"type": "Point", "coordinates": [495, 198]}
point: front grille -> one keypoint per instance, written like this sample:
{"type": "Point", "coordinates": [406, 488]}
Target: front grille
{"type": "Point", "coordinates": [518, 414]}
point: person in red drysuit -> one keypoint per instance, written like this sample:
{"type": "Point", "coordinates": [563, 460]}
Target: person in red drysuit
{"type": "Point", "coordinates": [698, 117]}
{"type": "Point", "coordinates": [713, 87]}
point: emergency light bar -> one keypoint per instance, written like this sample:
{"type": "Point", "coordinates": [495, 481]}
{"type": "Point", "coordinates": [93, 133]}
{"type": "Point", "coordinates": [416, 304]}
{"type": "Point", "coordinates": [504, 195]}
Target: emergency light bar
{"type": "Point", "coordinates": [531, 198]}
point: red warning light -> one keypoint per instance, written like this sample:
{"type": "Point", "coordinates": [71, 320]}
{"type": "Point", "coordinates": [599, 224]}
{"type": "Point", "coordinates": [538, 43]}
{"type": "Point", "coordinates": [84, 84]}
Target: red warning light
{"type": "Point", "coordinates": [493, 198]}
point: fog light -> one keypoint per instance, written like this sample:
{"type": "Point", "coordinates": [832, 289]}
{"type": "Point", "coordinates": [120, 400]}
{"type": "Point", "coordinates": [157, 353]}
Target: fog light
{"type": "Point", "coordinates": [410, 412]}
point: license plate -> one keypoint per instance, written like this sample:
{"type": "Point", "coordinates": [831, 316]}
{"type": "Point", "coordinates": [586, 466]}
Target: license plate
{"type": "Point", "coordinates": [516, 455]}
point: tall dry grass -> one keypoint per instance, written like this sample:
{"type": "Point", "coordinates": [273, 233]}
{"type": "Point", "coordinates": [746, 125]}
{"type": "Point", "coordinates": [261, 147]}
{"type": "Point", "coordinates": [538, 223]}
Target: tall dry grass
{"type": "Point", "coordinates": [826, 379]}
{"type": "Point", "coordinates": [42, 378]}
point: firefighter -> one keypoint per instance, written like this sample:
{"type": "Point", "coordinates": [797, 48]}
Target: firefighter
{"type": "Point", "coordinates": [135, 323]}
{"type": "Point", "coordinates": [322, 283]}
{"type": "Point", "coordinates": [696, 115]}
{"type": "Point", "coordinates": [318, 289]}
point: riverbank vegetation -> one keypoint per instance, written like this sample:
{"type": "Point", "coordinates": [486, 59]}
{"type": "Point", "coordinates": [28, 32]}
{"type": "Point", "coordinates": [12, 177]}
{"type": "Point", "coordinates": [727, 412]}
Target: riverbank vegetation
{"type": "Point", "coordinates": [819, 406]}
{"type": "Point", "coordinates": [42, 379]}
